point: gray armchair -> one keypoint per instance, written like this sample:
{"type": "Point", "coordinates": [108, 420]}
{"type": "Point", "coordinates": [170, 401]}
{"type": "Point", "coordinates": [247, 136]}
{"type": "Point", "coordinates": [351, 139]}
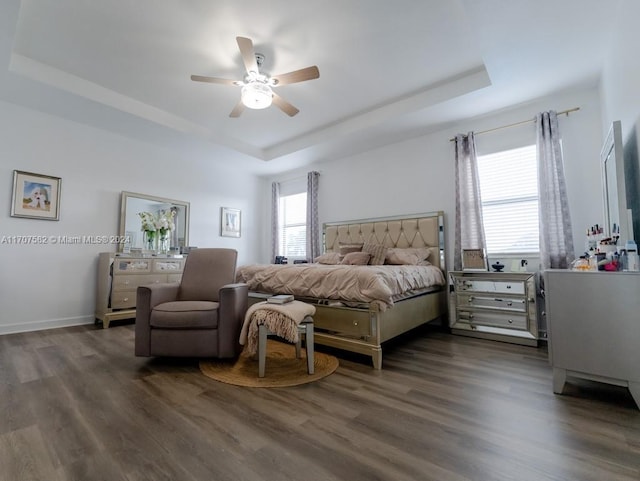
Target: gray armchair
{"type": "Point", "coordinates": [200, 317]}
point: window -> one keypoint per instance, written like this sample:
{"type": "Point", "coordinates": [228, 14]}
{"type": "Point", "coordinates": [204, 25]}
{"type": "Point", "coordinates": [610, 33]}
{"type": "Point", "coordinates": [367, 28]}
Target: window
{"type": "Point", "coordinates": [292, 225]}
{"type": "Point", "coordinates": [509, 190]}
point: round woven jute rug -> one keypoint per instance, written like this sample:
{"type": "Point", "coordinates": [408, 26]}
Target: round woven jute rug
{"type": "Point", "coordinates": [282, 368]}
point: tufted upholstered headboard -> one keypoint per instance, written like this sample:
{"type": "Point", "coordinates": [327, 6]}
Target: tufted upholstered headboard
{"type": "Point", "coordinates": [417, 230]}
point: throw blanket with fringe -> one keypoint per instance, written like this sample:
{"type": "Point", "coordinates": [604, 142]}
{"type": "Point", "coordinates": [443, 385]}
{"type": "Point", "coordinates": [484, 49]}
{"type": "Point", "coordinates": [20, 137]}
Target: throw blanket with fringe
{"type": "Point", "coordinates": [281, 319]}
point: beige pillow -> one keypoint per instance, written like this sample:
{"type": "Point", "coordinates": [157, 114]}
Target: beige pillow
{"type": "Point", "coordinates": [330, 258]}
{"type": "Point", "coordinates": [377, 251]}
{"type": "Point", "coordinates": [346, 248]}
{"type": "Point", "coordinates": [413, 256]}
{"type": "Point", "coordinates": [356, 258]}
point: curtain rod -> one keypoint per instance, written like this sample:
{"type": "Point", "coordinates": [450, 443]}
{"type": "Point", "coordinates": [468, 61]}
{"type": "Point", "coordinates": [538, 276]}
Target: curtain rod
{"type": "Point", "coordinates": [564, 112]}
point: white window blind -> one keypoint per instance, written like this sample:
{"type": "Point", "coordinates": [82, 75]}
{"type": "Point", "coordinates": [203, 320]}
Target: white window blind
{"type": "Point", "coordinates": [292, 225]}
{"type": "Point", "coordinates": [509, 190]}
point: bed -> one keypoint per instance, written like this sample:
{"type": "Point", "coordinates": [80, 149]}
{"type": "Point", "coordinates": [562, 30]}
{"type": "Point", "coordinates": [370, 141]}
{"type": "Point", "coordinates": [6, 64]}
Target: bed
{"type": "Point", "coordinates": [388, 300]}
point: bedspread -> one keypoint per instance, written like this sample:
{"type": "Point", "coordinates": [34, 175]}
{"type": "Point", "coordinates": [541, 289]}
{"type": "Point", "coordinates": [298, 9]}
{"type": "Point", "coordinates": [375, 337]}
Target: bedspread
{"type": "Point", "coordinates": [371, 284]}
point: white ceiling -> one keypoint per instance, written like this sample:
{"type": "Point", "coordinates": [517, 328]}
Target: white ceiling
{"type": "Point", "coordinates": [388, 70]}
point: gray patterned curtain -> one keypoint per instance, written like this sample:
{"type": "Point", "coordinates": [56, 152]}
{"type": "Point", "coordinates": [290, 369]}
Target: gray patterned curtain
{"type": "Point", "coordinates": [469, 228]}
{"type": "Point", "coordinates": [556, 238]}
{"type": "Point", "coordinates": [275, 215]}
{"type": "Point", "coordinates": [176, 222]}
{"type": "Point", "coordinates": [313, 229]}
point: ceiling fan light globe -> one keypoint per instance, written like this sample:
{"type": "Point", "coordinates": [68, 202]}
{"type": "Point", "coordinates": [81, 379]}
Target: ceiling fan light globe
{"type": "Point", "coordinates": [256, 96]}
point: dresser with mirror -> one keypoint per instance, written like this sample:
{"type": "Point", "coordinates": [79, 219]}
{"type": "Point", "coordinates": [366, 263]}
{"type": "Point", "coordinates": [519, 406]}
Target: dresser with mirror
{"type": "Point", "coordinates": [120, 273]}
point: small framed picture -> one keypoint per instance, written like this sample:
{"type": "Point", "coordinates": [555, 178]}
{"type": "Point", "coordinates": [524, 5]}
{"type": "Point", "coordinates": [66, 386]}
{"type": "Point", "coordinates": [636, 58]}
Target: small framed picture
{"type": "Point", "coordinates": [474, 260]}
{"type": "Point", "coordinates": [35, 196]}
{"type": "Point", "coordinates": [230, 222]}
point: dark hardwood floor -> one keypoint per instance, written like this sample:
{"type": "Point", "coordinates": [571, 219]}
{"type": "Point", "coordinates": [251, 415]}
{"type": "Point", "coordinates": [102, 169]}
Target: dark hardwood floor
{"type": "Point", "coordinates": [77, 405]}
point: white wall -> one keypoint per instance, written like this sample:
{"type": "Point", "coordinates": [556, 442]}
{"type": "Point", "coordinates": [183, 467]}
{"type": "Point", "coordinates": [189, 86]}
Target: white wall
{"type": "Point", "coordinates": [620, 87]}
{"type": "Point", "coordinates": [418, 175]}
{"type": "Point", "coordinates": [620, 92]}
{"type": "Point", "coordinates": [54, 285]}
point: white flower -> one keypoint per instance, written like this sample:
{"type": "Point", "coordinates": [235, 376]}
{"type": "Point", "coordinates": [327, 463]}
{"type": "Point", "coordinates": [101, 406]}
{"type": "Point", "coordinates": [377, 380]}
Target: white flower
{"type": "Point", "coordinates": [162, 222]}
{"type": "Point", "coordinates": [148, 221]}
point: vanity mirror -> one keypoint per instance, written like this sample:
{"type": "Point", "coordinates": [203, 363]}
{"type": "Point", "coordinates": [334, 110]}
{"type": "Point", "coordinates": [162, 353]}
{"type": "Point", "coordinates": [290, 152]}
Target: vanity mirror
{"type": "Point", "coordinates": [614, 186]}
{"type": "Point", "coordinates": [131, 204]}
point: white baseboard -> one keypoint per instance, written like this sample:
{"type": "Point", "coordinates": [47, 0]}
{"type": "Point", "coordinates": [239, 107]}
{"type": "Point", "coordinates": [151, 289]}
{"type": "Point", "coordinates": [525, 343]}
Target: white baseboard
{"type": "Point", "coordinates": [46, 324]}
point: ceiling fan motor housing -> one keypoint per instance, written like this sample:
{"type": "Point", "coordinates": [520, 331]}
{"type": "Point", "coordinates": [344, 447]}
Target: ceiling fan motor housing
{"type": "Point", "coordinates": [256, 95]}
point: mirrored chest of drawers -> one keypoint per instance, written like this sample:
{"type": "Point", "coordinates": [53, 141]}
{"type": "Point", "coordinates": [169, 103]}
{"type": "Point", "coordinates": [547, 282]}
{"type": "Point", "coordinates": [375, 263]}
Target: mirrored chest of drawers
{"type": "Point", "coordinates": [119, 277]}
{"type": "Point", "coordinates": [494, 305]}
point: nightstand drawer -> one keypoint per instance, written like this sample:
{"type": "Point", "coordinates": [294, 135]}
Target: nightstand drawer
{"type": "Point", "coordinates": [516, 304]}
{"type": "Point", "coordinates": [483, 285]}
{"type": "Point", "coordinates": [496, 319]}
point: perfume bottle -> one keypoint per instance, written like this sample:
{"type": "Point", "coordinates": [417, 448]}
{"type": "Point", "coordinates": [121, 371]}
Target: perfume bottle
{"type": "Point", "coordinates": [632, 256]}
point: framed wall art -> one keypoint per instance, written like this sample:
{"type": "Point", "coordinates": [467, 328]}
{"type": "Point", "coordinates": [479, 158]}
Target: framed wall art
{"type": "Point", "coordinates": [230, 222]}
{"type": "Point", "coordinates": [35, 196]}
{"type": "Point", "coordinates": [474, 260]}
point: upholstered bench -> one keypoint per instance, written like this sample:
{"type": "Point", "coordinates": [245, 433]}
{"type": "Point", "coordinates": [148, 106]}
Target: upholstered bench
{"type": "Point", "coordinates": [290, 321]}
{"type": "Point", "coordinates": [304, 328]}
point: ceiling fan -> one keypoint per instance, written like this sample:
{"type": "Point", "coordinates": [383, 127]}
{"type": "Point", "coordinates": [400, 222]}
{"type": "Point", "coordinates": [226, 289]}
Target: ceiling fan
{"type": "Point", "coordinates": [257, 87]}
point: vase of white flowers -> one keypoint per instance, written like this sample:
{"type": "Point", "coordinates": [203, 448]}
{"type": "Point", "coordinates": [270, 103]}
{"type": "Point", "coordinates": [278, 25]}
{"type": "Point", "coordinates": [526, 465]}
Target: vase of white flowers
{"type": "Point", "coordinates": [151, 240]}
{"type": "Point", "coordinates": [163, 243]}
{"type": "Point", "coordinates": [148, 227]}
{"type": "Point", "coordinates": [156, 230]}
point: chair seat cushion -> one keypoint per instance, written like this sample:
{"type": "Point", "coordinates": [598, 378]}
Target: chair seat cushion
{"type": "Point", "coordinates": [185, 315]}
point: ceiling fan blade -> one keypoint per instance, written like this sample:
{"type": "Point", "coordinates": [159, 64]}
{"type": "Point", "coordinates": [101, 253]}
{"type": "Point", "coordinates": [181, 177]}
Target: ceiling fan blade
{"type": "Point", "coordinates": [248, 54]}
{"type": "Point", "coordinates": [301, 75]}
{"type": "Point", "coordinates": [285, 106]}
{"type": "Point", "coordinates": [237, 110]}
{"type": "Point", "coordinates": [213, 80]}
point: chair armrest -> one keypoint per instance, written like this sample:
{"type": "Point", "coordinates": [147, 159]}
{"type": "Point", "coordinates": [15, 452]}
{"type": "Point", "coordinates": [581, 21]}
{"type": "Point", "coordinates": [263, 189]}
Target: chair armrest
{"type": "Point", "coordinates": [155, 294]}
{"type": "Point", "coordinates": [147, 297]}
{"type": "Point", "coordinates": [234, 301]}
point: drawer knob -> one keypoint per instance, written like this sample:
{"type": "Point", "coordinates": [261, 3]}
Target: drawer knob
{"type": "Point", "coordinates": [508, 286]}
{"type": "Point", "coordinates": [510, 321]}
{"type": "Point", "coordinates": [126, 299]}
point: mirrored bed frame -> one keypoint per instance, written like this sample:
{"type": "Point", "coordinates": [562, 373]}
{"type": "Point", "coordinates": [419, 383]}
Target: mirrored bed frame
{"type": "Point", "coordinates": [365, 328]}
